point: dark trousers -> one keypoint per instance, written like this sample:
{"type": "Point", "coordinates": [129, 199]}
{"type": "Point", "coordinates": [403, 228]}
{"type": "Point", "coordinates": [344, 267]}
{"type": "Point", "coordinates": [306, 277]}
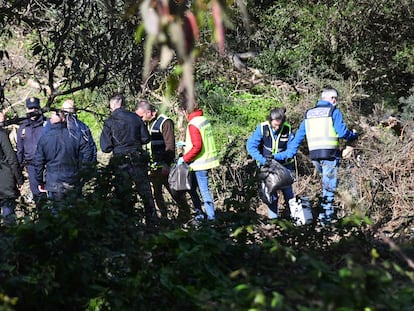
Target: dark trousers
{"type": "Point", "coordinates": [7, 207]}
{"type": "Point", "coordinates": [38, 197]}
{"type": "Point", "coordinates": [159, 179]}
{"type": "Point", "coordinates": [131, 176]}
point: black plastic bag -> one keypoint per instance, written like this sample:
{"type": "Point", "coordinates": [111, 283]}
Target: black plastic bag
{"type": "Point", "coordinates": [275, 176]}
{"type": "Point", "coordinates": [179, 177]}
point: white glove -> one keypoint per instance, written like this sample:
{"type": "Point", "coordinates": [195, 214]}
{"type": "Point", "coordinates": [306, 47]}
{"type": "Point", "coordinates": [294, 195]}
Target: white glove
{"type": "Point", "coordinates": [180, 161]}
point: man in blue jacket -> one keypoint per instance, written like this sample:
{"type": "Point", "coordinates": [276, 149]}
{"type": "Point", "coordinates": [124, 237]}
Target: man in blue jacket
{"type": "Point", "coordinates": [59, 155]}
{"type": "Point", "coordinates": [268, 140]}
{"type": "Point", "coordinates": [75, 125]}
{"type": "Point", "coordinates": [323, 126]}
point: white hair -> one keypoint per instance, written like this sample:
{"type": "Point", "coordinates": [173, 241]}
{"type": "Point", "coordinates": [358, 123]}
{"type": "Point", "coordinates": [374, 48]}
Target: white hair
{"type": "Point", "coordinates": [327, 94]}
{"type": "Point", "coordinates": [68, 106]}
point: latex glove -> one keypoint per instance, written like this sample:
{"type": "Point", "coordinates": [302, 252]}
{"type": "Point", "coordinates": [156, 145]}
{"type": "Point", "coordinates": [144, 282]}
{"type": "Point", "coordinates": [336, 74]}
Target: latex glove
{"type": "Point", "coordinates": [262, 161]}
{"type": "Point", "coordinates": [290, 154]}
{"type": "Point", "coordinates": [180, 161]}
{"type": "Point", "coordinates": [282, 156]}
{"type": "Point", "coordinates": [41, 188]}
{"type": "Point", "coordinates": [180, 144]}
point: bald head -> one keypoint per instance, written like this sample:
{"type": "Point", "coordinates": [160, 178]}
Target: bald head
{"type": "Point", "coordinates": [145, 110]}
{"type": "Point", "coordinates": [68, 106]}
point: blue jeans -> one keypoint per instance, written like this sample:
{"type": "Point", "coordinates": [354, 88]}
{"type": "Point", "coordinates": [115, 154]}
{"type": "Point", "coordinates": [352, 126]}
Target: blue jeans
{"type": "Point", "coordinates": [274, 200]}
{"type": "Point", "coordinates": [328, 170]}
{"type": "Point", "coordinates": [7, 211]}
{"type": "Point", "coordinates": [200, 179]}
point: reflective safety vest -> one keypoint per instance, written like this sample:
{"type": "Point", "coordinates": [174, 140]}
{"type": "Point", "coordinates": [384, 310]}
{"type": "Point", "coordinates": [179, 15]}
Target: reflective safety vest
{"type": "Point", "coordinates": [323, 142]}
{"type": "Point", "coordinates": [157, 143]}
{"type": "Point", "coordinates": [208, 157]}
{"type": "Point", "coordinates": [272, 144]}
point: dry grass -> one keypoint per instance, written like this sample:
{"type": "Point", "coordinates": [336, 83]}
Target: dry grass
{"type": "Point", "coordinates": [376, 181]}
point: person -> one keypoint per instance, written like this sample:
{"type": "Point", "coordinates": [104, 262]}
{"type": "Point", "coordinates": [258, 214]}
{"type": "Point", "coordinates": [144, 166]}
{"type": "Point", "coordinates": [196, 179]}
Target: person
{"type": "Point", "coordinates": [58, 159]}
{"type": "Point", "coordinates": [28, 136]}
{"type": "Point", "coordinates": [11, 177]}
{"type": "Point", "coordinates": [270, 138]}
{"type": "Point", "coordinates": [323, 126]}
{"type": "Point", "coordinates": [201, 154]}
{"type": "Point", "coordinates": [124, 134]}
{"type": "Point", "coordinates": [75, 125]}
{"type": "Point", "coordinates": [162, 152]}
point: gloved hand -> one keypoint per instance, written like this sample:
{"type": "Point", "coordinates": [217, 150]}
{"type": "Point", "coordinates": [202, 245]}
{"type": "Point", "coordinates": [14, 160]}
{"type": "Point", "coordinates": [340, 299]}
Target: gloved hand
{"type": "Point", "coordinates": [290, 154]}
{"type": "Point", "coordinates": [41, 188]}
{"type": "Point", "coordinates": [282, 156]}
{"type": "Point", "coordinates": [180, 161]}
{"type": "Point", "coordinates": [180, 144]}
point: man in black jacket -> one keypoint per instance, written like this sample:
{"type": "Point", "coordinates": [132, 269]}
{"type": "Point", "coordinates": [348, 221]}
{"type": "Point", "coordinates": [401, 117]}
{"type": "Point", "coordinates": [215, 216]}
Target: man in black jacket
{"type": "Point", "coordinates": [59, 155]}
{"type": "Point", "coordinates": [11, 177]}
{"type": "Point", "coordinates": [123, 134]}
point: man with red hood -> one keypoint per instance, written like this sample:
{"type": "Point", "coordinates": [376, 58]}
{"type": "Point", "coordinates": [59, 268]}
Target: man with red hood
{"type": "Point", "coordinates": [201, 154]}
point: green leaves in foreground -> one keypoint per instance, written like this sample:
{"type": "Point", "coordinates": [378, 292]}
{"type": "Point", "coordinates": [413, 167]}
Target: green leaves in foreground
{"type": "Point", "coordinates": [91, 256]}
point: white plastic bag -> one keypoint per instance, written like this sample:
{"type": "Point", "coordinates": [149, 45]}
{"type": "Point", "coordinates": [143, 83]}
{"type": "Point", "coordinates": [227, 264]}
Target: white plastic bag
{"type": "Point", "coordinates": [300, 211]}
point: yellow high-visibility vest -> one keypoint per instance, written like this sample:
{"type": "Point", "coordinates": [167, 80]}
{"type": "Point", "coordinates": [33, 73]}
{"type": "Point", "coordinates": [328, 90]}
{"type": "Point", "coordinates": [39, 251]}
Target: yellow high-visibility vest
{"type": "Point", "coordinates": [320, 132]}
{"type": "Point", "coordinates": [208, 157]}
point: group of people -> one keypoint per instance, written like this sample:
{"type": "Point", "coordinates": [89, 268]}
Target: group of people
{"type": "Point", "coordinates": [143, 148]}
{"type": "Point", "coordinates": [323, 126]}
{"type": "Point", "coordinates": [54, 150]}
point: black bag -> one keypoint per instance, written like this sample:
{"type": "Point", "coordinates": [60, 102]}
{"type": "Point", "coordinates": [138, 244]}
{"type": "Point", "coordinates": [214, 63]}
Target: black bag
{"type": "Point", "coordinates": [179, 177]}
{"type": "Point", "coordinates": [275, 176]}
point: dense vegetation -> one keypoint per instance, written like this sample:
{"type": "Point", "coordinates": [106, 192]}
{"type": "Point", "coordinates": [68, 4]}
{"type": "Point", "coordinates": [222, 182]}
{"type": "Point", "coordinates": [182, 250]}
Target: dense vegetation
{"type": "Point", "coordinates": [94, 257]}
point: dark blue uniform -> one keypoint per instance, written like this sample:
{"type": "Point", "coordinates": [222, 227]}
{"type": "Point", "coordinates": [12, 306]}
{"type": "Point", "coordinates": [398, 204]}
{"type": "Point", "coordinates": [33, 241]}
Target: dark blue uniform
{"type": "Point", "coordinates": [75, 127]}
{"type": "Point", "coordinates": [58, 153]}
{"type": "Point", "coordinates": [27, 138]}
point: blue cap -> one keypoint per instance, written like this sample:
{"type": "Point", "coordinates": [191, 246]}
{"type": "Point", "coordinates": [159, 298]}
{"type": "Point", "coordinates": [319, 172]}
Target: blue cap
{"type": "Point", "coordinates": [33, 102]}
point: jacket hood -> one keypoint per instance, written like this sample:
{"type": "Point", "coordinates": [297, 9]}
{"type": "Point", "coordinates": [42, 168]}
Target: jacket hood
{"type": "Point", "coordinates": [324, 103]}
{"type": "Point", "coordinates": [195, 113]}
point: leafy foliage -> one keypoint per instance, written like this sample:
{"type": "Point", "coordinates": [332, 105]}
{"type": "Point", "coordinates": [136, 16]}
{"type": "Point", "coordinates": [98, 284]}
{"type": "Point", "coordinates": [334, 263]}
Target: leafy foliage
{"type": "Point", "coordinates": [80, 44]}
{"type": "Point", "coordinates": [408, 106]}
{"type": "Point", "coordinates": [93, 256]}
{"type": "Point", "coordinates": [349, 40]}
